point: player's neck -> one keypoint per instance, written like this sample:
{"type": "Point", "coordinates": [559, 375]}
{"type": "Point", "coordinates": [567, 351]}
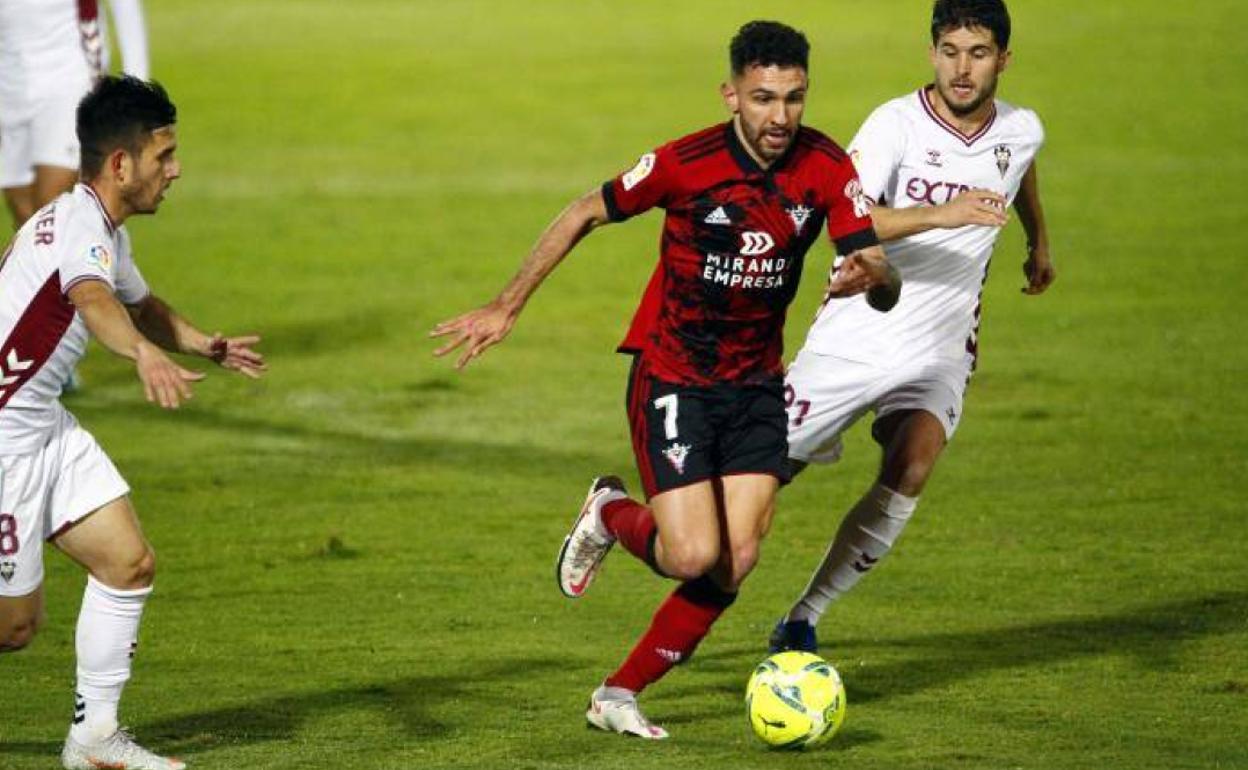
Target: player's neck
{"type": "Point", "coordinates": [749, 149]}
{"type": "Point", "coordinates": [111, 199]}
{"type": "Point", "coordinates": [968, 123]}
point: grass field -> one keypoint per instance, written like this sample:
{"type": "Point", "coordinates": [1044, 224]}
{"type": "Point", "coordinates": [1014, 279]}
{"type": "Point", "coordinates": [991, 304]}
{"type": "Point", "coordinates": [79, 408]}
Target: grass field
{"type": "Point", "coordinates": [356, 554]}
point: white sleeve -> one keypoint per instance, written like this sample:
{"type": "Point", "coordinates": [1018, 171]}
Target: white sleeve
{"type": "Point", "coordinates": [131, 288]}
{"type": "Point", "coordinates": [86, 256]}
{"type": "Point", "coordinates": [1037, 129]}
{"type": "Point", "coordinates": [877, 150]}
{"type": "Point", "coordinates": [131, 37]}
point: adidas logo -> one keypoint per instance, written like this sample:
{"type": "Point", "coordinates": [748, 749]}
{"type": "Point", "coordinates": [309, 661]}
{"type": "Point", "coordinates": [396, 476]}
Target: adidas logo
{"type": "Point", "coordinates": [717, 217]}
{"type": "Point", "coordinates": [670, 655]}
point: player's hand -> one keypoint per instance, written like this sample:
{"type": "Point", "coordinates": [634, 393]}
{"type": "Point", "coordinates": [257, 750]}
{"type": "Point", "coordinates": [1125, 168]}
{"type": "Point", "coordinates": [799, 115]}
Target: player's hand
{"type": "Point", "coordinates": [164, 382]}
{"type": "Point", "coordinates": [236, 354]}
{"type": "Point", "coordinates": [974, 207]}
{"type": "Point", "coordinates": [865, 270]}
{"type": "Point", "coordinates": [475, 331]}
{"type": "Point", "coordinates": [1039, 270]}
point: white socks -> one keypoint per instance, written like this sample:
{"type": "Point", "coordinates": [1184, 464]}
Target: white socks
{"type": "Point", "coordinates": [108, 630]}
{"type": "Point", "coordinates": [865, 536]}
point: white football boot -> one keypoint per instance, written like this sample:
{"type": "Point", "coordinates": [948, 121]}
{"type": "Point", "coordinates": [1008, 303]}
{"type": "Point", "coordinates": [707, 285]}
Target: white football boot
{"type": "Point", "coordinates": [589, 541]}
{"type": "Point", "coordinates": [621, 715]}
{"type": "Point", "coordinates": [118, 752]}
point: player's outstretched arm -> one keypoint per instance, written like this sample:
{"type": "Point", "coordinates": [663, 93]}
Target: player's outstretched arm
{"type": "Point", "coordinates": [1038, 268]}
{"type": "Point", "coordinates": [971, 207]}
{"type": "Point", "coordinates": [870, 271]}
{"type": "Point", "coordinates": [478, 329]}
{"type": "Point", "coordinates": [164, 382]}
{"type": "Point", "coordinates": [161, 324]}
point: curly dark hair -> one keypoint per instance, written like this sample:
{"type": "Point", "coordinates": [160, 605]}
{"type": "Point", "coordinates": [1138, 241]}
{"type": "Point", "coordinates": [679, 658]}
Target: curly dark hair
{"type": "Point", "coordinates": [764, 43]}
{"type": "Point", "coordinates": [120, 112]}
{"type": "Point", "coordinates": [964, 14]}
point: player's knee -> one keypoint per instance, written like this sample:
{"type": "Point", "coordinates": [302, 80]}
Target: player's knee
{"type": "Point", "coordinates": [18, 632]}
{"type": "Point", "coordinates": [689, 560]}
{"type": "Point", "coordinates": [137, 570]}
{"type": "Point", "coordinates": [907, 473]}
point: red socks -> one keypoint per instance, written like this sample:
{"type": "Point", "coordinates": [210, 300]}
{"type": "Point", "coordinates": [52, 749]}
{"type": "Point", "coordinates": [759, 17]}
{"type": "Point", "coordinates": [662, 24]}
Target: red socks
{"type": "Point", "coordinates": [633, 526]}
{"type": "Point", "coordinates": [680, 624]}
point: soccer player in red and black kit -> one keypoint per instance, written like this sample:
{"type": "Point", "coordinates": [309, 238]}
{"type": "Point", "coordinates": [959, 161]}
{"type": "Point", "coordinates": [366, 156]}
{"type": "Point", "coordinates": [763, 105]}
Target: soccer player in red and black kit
{"type": "Point", "coordinates": [745, 200]}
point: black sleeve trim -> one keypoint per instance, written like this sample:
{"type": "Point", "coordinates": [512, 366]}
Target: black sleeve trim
{"type": "Point", "coordinates": [613, 208]}
{"type": "Point", "coordinates": [863, 239]}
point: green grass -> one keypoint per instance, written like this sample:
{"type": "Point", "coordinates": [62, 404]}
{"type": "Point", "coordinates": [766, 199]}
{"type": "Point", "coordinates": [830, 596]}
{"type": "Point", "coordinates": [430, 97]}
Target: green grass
{"type": "Point", "coordinates": [355, 555]}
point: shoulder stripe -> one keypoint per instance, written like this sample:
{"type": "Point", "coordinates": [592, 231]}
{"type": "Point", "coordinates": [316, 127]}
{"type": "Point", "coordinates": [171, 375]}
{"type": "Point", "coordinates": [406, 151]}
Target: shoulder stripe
{"type": "Point", "coordinates": [694, 142]}
{"type": "Point", "coordinates": [699, 148]}
{"type": "Point", "coordinates": [711, 150]}
{"type": "Point", "coordinates": [821, 143]}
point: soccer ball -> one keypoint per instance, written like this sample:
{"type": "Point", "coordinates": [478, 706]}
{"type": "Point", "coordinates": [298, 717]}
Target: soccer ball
{"type": "Point", "coordinates": [795, 700]}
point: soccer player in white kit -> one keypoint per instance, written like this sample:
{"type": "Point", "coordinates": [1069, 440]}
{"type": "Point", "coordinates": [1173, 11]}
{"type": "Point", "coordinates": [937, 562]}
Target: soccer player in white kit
{"type": "Point", "coordinates": [68, 274]}
{"type": "Point", "coordinates": [941, 165]}
{"type": "Point", "coordinates": [50, 53]}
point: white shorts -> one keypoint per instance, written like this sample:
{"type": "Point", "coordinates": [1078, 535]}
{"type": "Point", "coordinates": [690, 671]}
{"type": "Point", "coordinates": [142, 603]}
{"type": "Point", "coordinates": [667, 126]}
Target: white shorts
{"type": "Point", "coordinates": [43, 493]}
{"type": "Point", "coordinates": [826, 395]}
{"type": "Point", "coordinates": [48, 136]}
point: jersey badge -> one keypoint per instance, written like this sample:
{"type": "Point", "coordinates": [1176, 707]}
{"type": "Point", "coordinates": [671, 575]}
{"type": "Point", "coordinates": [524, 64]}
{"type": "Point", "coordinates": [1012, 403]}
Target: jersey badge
{"type": "Point", "coordinates": [799, 214]}
{"type": "Point", "coordinates": [933, 158]}
{"type": "Point", "coordinates": [717, 217]}
{"type": "Point", "coordinates": [1003, 159]}
{"type": "Point", "coordinates": [99, 256]}
{"type": "Point", "coordinates": [676, 454]}
{"type": "Point", "coordinates": [862, 204]}
{"type": "Point", "coordinates": [645, 164]}
{"type": "Point", "coordinates": [7, 570]}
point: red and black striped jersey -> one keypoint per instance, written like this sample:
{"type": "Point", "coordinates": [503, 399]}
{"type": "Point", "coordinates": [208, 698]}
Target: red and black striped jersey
{"type": "Point", "coordinates": [733, 245]}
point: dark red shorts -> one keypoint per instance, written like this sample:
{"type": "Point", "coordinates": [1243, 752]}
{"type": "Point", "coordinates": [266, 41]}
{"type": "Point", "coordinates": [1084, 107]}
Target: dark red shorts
{"type": "Point", "coordinates": [683, 434]}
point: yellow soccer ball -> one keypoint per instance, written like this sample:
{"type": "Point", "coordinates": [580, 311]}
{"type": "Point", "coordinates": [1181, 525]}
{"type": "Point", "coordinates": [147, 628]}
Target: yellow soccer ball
{"type": "Point", "coordinates": [795, 700]}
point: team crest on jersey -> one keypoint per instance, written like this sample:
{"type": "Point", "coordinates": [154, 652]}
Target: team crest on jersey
{"type": "Point", "coordinates": [7, 570]}
{"type": "Point", "coordinates": [1003, 159]}
{"type": "Point", "coordinates": [862, 204]}
{"type": "Point", "coordinates": [99, 256]}
{"type": "Point", "coordinates": [933, 158]}
{"type": "Point", "coordinates": [645, 164]}
{"type": "Point", "coordinates": [799, 214]}
{"type": "Point", "coordinates": [676, 454]}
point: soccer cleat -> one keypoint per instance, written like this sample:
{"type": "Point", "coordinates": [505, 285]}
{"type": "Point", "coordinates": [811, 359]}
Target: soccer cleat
{"type": "Point", "coordinates": [588, 543]}
{"type": "Point", "coordinates": [621, 716]}
{"type": "Point", "coordinates": [793, 635]}
{"type": "Point", "coordinates": [117, 752]}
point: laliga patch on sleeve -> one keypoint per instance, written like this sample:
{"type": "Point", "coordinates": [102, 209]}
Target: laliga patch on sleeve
{"type": "Point", "coordinates": [100, 257]}
{"type": "Point", "coordinates": [862, 204]}
{"type": "Point", "coordinates": [645, 164]}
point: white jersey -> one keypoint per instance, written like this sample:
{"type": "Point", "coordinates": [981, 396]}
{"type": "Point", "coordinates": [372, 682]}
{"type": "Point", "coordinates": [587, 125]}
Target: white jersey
{"type": "Point", "coordinates": [42, 336]}
{"type": "Point", "coordinates": [59, 46]}
{"type": "Point", "coordinates": [41, 52]}
{"type": "Point", "coordinates": [907, 155]}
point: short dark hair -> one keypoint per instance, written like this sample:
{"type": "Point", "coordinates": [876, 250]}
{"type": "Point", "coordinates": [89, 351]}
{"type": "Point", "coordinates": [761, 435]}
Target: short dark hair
{"type": "Point", "coordinates": [964, 14]}
{"type": "Point", "coordinates": [764, 43]}
{"type": "Point", "coordinates": [119, 112]}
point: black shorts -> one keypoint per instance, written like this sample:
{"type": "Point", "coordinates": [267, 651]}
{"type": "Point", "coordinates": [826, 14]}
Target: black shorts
{"type": "Point", "coordinates": [683, 434]}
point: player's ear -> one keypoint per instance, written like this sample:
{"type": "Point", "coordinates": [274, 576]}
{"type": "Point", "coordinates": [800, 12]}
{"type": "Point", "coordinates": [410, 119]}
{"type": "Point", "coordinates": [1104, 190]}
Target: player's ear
{"type": "Point", "coordinates": [728, 91]}
{"type": "Point", "coordinates": [1003, 61]}
{"type": "Point", "coordinates": [121, 165]}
